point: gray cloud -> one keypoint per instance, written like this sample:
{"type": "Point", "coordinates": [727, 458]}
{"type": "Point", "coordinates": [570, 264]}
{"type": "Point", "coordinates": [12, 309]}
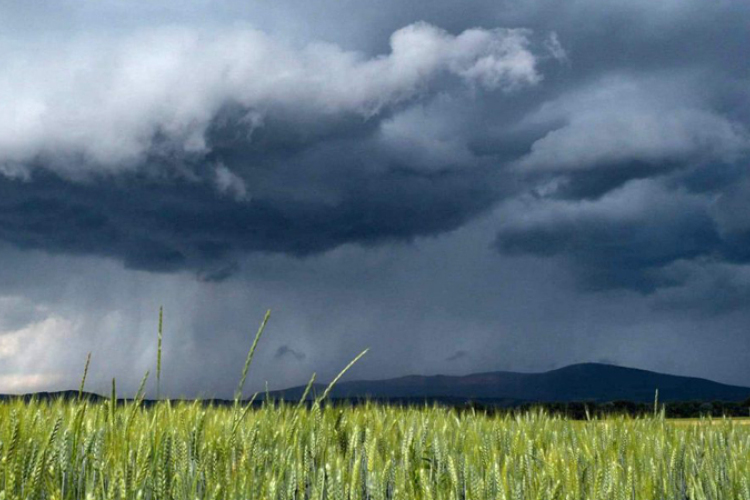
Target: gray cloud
{"type": "Point", "coordinates": [621, 239]}
{"type": "Point", "coordinates": [285, 351]}
{"type": "Point", "coordinates": [112, 103]}
{"type": "Point", "coordinates": [622, 119]}
{"type": "Point", "coordinates": [412, 304]}
{"type": "Point", "coordinates": [460, 354]}
{"type": "Point", "coordinates": [171, 224]}
{"type": "Point", "coordinates": [536, 183]}
{"type": "Point", "coordinates": [217, 144]}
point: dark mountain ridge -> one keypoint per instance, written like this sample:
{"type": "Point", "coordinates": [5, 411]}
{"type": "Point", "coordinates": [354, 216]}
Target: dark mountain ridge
{"type": "Point", "coordinates": [581, 382]}
{"type": "Point", "coordinates": [593, 382]}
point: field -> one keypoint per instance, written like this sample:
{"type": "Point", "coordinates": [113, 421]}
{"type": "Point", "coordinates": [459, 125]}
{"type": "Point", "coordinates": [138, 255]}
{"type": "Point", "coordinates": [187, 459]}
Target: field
{"type": "Point", "coordinates": [76, 450]}
{"type": "Point", "coordinates": [83, 449]}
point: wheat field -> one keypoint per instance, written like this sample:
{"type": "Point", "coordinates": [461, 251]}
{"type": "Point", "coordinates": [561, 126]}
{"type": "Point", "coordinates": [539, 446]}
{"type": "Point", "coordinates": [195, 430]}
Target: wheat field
{"type": "Point", "coordinates": [67, 449]}
{"type": "Point", "coordinates": [83, 450]}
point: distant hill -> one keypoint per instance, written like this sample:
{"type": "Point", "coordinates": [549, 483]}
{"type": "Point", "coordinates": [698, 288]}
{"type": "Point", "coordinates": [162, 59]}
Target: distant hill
{"type": "Point", "coordinates": [586, 382]}
{"type": "Point", "coordinates": [594, 382]}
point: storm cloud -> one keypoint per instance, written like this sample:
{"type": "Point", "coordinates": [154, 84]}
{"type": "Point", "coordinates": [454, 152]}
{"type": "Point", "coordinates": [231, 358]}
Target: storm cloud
{"type": "Point", "coordinates": [484, 178]}
{"type": "Point", "coordinates": [175, 149]}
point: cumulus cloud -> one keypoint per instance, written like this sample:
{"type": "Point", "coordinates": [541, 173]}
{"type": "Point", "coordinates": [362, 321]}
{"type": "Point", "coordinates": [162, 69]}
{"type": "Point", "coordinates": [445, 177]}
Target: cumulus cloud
{"type": "Point", "coordinates": [107, 104]}
{"type": "Point", "coordinates": [176, 148]}
{"type": "Point", "coordinates": [623, 119]}
{"type": "Point", "coordinates": [428, 136]}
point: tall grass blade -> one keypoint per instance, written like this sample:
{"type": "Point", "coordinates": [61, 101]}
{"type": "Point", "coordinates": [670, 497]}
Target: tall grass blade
{"type": "Point", "coordinates": [241, 417]}
{"type": "Point", "coordinates": [250, 354]}
{"type": "Point", "coordinates": [83, 380]}
{"type": "Point", "coordinates": [307, 391]}
{"type": "Point", "coordinates": [142, 388]}
{"type": "Point", "coordinates": [341, 374]}
{"type": "Point", "coordinates": [113, 402]}
{"type": "Point", "coordinates": [158, 354]}
{"type": "Point", "coordinates": [138, 397]}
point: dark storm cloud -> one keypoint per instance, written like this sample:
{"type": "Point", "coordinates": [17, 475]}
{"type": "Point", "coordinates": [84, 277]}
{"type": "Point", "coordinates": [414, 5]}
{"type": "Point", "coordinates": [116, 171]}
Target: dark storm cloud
{"type": "Point", "coordinates": [438, 176]}
{"type": "Point", "coordinates": [241, 143]}
{"type": "Point", "coordinates": [641, 158]}
{"type": "Point", "coordinates": [197, 168]}
{"type": "Point", "coordinates": [634, 235]}
{"type": "Point", "coordinates": [168, 225]}
{"type": "Point", "coordinates": [620, 240]}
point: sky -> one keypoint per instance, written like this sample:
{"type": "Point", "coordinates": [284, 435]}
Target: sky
{"type": "Point", "coordinates": [458, 186]}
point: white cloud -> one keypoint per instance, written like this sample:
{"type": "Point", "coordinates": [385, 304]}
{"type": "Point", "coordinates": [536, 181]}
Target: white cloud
{"type": "Point", "coordinates": [230, 184]}
{"type": "Point", "coordinates": [555, 48]}
{"type": "Point", "coordinates": [36, 336]}
{"type": "Point", "coordinates": [26, 383]}
{"type": "Point", "coordinates": [621, 119]}
{"type": "Point", "coordinates": [24, 350]}
{"type": "Point", "coordinates": [428, 136]}
{"type": "Point", "coordinates": [636, 201]}
{"type": "Point", "coordinates": [102, 103]}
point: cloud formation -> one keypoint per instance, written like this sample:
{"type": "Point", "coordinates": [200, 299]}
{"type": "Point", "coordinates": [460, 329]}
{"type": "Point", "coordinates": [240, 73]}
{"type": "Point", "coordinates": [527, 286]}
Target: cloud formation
{"type": "Point", "coordinates": [182, 148]}
{"type": "Point", "coordinates": [104, 105]}
{"type": "Point", "coordinates": [285, 351]}
{"type": "Point", "coordinates": [458, 355]}
{"type": "Point", "coordinates": [619, 240]}
{"type": "Point", "coordinates": [623, 119]}
{"type": "Point", "coordinates": [533, 182]}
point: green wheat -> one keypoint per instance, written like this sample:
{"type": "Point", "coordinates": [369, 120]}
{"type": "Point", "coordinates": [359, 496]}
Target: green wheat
{"type": "Point", "coordinates": [68, 449]}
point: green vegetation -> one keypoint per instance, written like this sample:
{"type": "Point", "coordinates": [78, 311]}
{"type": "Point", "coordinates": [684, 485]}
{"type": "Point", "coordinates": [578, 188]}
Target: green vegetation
{"type": "Point", "coordinates": [577, 410]}
{"type": "Point", "coordinates": [75, 448]}
{"type": "Point", "coordinates": [69, 449]}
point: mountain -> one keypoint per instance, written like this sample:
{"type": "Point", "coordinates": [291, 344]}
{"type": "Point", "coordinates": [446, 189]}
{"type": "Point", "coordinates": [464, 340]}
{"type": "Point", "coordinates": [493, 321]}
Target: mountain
{"type": "Point", "coordinates": [581, 382]}
{"type": "Point", "coordinates": [593, 382]}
